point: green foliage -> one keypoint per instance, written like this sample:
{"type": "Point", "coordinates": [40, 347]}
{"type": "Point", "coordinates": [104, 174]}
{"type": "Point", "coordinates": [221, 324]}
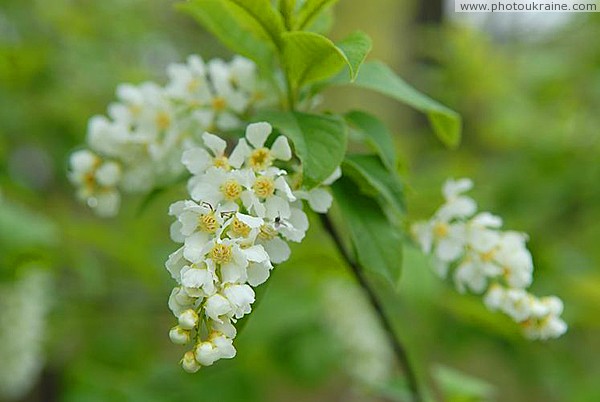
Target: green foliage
{"type": "Point", "coordinates": [377, 242]}
{"type": "Point", "coordinates": [355, 47]}
{"type": "Point", "coordinates": [376, 135]}
{"type": "Point", "coordinates": [310, 11]}
{"type": "Point", "coordinates": [310, 57]}
{"type": "Point", "coordinates": [319, 141]}
{"type": "Point", "coordinates": [375, 180]}
{"type": "Point", "coordinates": [378, 77]}
{"type": "Point", "coordinates": [236, 27]}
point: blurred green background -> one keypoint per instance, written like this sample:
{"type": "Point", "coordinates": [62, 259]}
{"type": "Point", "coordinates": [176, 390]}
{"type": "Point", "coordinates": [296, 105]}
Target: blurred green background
{"type": "Point", "coordinates": [531, 144]}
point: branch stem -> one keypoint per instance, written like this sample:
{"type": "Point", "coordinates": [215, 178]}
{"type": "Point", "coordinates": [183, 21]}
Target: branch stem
{"type": "Point", "coordinates": [397, 346]}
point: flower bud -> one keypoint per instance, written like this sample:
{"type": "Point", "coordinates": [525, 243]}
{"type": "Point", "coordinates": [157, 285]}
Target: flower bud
{"type": "Point", "coordinates": [206, 353]}
{"type": "Point", "coordinates": [189, 362]}
{"type": "Point", "coordinates": [188, 319]}
{"type": "Point", "coordinates": [179, 336]}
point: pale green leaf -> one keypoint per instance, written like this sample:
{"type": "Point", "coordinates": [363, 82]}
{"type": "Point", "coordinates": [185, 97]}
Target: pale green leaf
{"type": "Point", "coordinates": [356, 47]}
{"type": "Point", "coordinates": [265, 15]}
{"type": "Point", "coordinates": [377, 76]}
{"type": "Point", "coordinates": [310, 11]}
{"type": "Point", "coordinates": [287, 8]}
{"type": "Point", "coordinates": [234, 27]}
{"type": "Point", "coordinates": [310, 57]}
{"type": "Point", "coordinates": [376, 240]}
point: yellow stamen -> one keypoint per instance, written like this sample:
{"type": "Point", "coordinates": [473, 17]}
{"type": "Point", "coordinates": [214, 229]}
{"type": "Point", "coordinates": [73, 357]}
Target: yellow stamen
{"type": "Point", "coordinates": [163, 120]}
{"type": "Point", "coordinates": [219, 104]}
{"type": "Point", "coordinates": [260, 159]}
{"type": "Point", "coordinates": [267, 232]}
{"type": "Point", "coordinates": [441, 229]}
{"type": "Point", "coordinates": [221, 254]}
{"type": "Point", "coordinates": [221, 162]}
{"type": "Point", "coordinates": [231, 189]}
{"type": "Point", "coordinates": [264, 187]}
{"type": "Point", "coordinates": [239, 228]}
{"type": "Point", "coordinates": [487, 256]}
{"type": "Point", "coordinates": [208, 223]}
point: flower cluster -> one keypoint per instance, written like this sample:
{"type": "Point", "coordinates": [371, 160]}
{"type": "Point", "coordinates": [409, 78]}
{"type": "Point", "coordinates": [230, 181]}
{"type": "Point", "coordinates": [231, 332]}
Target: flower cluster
{"type": "Point", "coordinates": [139, 144]}
{"type": "Point", "coordinates": [24, 305]}
{"type": "Point", "coordinates": [367, 354]}
{"type": "Point", "coordinates": [237, 224]}
{"type": "Point", "coordinates": [486, 259]}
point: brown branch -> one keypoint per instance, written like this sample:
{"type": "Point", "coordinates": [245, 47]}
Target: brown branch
{"type": "Point", "coordinates": [397, 346]}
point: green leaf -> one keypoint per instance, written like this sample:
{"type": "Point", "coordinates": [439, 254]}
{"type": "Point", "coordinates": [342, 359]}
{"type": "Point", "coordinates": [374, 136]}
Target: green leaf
{"type": "Point", "coordinates": [356, 47]}
{"type": "Point", "coordinates": [310, 57]}
{"type": "Point", "coordinates": [376, 135]}
{"type": "Point", "coordinates": [319, 141]}
{"type": "Point", "coordinates": [446, 123]}
{"type": "Point", "coordinates": [234, 27]}
{"type": "Point", "coordinates": [376, 240]}
{"type": "Point", "coordinates": [310, 11]}
{"type": "Point", "coordinates": [268, 18]}
{"type": "Point", "coordinates": [375, 180]}
{"type": "Point", "coordinates": [287, 8]}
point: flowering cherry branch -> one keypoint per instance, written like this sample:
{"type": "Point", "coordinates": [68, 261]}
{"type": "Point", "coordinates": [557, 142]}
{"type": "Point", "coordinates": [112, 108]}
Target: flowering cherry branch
{"type": "Point", "coordinates": [246, 204]}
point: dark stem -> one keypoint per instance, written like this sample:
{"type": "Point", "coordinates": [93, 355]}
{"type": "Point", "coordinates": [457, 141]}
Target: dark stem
{"type": "Point", "coordinates": [397, 346]}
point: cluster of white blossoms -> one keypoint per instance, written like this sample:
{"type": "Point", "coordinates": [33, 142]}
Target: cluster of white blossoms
{"type": "Point", "coordinates": [237, 224]}
{"type": "Point", "coordinates": [367, 354]}
{"type": "Point", "coordinates": [139, 144]}
{"type": "Point", "coordinates": [486, 259]}
{"type": "Point", "coordinates": [24, 305]}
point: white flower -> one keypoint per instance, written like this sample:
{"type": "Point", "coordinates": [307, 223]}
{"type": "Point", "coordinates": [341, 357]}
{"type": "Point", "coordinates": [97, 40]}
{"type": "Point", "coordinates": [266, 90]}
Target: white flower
{"type": "Point", "coordinates": [241, 298]}
{"type": "Point", "coordinates": [294, 227]}
{"type": "Point", "coordinates": [252, 151]}
{"type": "Point", "coordinates": [188, 319]}
{"type": "Point", "coordinates": [198, 282]}
{"type": "Point", "coordinates": [197, 160]}
{"type": "Point", "coordinates": [225, 327]}
{"type": "Point", "coordinates": [188, 82]}
{"type": "Point", "coordinates": [471, 274]}
{"type": "Point", "coordinates": [24, 304]}
{"type": "Point", "coordinates": [486, 258]}
{"type": "Point", "coordinates": [446, 240]}
{"type": "Point", "coordinates": [216, 306]}
{"type": "Point", "coordinates": [206, 353]}
{"type": "Point", "coordinates": [218, 347]}
{"type": "Point", "coordinates": [268, 194]}
{"type": "Point", "coordinates": [180, 301]}
{"type": "Point", "coordinates": [179, 335]}
{"type": "Point", "coordinates": [220, 186]}
{"type": "Point", "coordinates": [457, 205]}
{"type": "Point", "coordinates": [189, 362]}
{"type": "Point", "coordinates": [319, 199]}
{"type": "Point", "coordinates": [96, 181]}
{"type": "Point", "coordinates": [238, 225]}
{"type": "Point", "coordinates": [201, 220]}
{"type": "Point", "coordinates": [175, 264]}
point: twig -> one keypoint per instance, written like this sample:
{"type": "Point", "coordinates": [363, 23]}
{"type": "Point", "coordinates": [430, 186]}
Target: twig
{"type": "Point", "coordinates": [397, 346]}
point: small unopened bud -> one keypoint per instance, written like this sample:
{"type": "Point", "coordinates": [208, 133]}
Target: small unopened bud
{"type": "Point", "coordinates": [188, 319]}
{"type": "Point", "coordinates": [189, 362]}
{"type": "Point", "coordinates": [206, 353]}
{"type": "Point", "coordinates": [179, 335]}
